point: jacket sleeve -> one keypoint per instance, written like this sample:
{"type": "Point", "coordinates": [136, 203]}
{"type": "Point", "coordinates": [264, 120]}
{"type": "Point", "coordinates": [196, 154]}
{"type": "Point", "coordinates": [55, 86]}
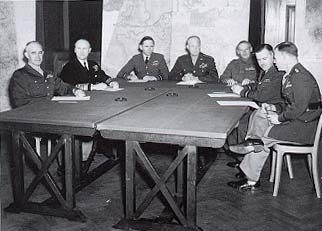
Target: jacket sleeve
{"type": "Point", "coordinates": [126, 70]}
{"type": "Point", "coordinates": [212, 75]}
{"type": "Point", "coordinates": [176, 72]}
{"type": "Point", "coordinates": [298, 98]}
{"type": "Point", "coordinates": [62, 88]}
{"type": "Point", "coordinates": [101, 77]}
{"type": "Point", "coordinates": [227, 74]}
{"type": "Point", "coordinates": [264, 93]}
{"type": "Point", "coordinates": [67, 75]}
{"type": "Point", "coordinates": [164, 71]}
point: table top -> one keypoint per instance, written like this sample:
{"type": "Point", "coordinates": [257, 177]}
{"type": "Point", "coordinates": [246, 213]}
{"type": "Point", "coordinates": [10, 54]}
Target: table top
{"type": "Point", "coordinates": [180, 116]}
{"type": "Point", "coordinates": [81, 114]}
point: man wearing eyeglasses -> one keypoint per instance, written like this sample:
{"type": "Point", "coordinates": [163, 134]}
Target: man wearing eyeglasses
{"type": "Point", "coordinates": [31, 83]}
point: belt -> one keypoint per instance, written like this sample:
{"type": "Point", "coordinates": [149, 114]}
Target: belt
{"type": "Point", "coordinates": [314, 106]}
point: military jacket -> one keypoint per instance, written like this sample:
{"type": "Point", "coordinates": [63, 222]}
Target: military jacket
{"type": "Point", "coordinates": [239, 70]}
{"type": "Point", "coordinates": [156, 67]}
{"type": "Point", "coordinates": [28, 86]}
{"type": "Point", "coordinates": [204, 68]}
{"type": "Point", "coordinates": [75, 73]}
{"type": "Point", "coordinates": [267, 89]}
{"type": "Point", "coordinates": [301, 110]}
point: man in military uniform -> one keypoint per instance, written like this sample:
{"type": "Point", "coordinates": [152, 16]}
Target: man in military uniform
{"type": "Point", "coordinates": [147, 65]}
{"type": "Point", "coordinates": [83, 73]}
{"type": "Point", "coordinates": [266, 90]}
{"type": "Point", "coordinates": [194, 65]}
{"type": "Point", "coordinates": [31, 83]}
{"type": "Point", "coordinates": [243, 70]}
{"type": "Point", "coordinates": [294, 121]}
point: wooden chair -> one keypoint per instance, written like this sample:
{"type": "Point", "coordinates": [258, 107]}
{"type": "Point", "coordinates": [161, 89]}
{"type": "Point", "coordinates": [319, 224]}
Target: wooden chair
{"type": "Point", "coordinates": [278, 151]}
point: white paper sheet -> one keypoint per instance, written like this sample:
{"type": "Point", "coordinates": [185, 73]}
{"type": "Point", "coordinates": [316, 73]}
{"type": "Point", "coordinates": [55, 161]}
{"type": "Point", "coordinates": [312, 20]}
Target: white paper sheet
{"type": "Point", "coordinates": [193, 82]}
{"type": "Point", "coordinates": [223, 94]}
{"type": "Point", "coordinates": [238, 103]}
{"type": "Point", "coordinates": [138, 81]}
{"type": "Point", "coordinates": [70, 98]}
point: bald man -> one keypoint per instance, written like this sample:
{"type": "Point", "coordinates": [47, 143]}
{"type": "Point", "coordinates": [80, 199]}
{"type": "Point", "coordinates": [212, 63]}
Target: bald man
{"type": "Point", "coordinates": [195, 65]}
{"type": "Point", "coordinates": [31, 83]}
{"type": "Point", "coordinates": [83, 73]}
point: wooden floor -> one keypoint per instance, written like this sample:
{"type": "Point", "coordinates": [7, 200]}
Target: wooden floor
{"type": "Point", "coordinates": [219, 206]}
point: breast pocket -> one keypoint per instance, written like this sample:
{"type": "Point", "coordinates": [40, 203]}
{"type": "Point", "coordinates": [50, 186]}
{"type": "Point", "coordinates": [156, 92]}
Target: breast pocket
{"type": "Point", "coordinates": [37, 89]}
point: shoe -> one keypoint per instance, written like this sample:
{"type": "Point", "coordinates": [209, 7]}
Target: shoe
{"type": "Point", "coordinates": [240, 175]}
{"type": "Point", "coordinates": [251, 145]}
{"type": "Point", "coordinates": [251, 187]}
{"type": "Point", "coordinates": [237, 184]}
{"type": "Point", "coordinates": [233, 164]}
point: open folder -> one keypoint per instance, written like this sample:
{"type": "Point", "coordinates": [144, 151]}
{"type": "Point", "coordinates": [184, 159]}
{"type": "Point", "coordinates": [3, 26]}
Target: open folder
{"type": "Point", "coordinates": [238, 103]}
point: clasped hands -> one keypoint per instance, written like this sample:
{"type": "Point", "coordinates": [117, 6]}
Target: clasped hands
{"type": "Point", "coordinates": [189, 77]}
{"type": "Point", "coordinates": [270, 111]}
{"type": "Point", "coordinates": [133, 76]}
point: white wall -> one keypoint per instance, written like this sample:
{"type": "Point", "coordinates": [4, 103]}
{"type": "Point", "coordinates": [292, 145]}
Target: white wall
{"type": "Point", "coordinates": [308, 30]}
{"type": "Point", "coordinates": [17, 26]}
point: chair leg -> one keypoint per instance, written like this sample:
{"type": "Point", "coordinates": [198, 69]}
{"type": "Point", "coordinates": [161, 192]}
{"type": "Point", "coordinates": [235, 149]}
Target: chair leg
{"type": "Point", "coordinates": [289, 166]}
{"type": "Point", "coordinates": [315, 174]}
{"type": "Point", "coordinates": [38, 139]}
{"type": "Point", "coordinates": [279, 162]}
{"type": "Point", "coordinates": [273, 166]}
{"type": "Point", "coordinates": [309, 163]}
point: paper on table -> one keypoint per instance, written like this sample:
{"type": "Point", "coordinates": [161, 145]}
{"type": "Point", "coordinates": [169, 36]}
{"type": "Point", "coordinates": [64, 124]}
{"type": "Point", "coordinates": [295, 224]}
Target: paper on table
{"type": "Point", "coordinates": [138, 81]}
{"type": "Point", "coordinates": [238, 103]}
{"type": "Point", "coordinates": [223, 94]}
{"type": "Point", "coordinates": [71, 98]}
{"type": "Point", "coordinates": [113, 89]}
{"type": "Point", "coordinates": [192, 82]}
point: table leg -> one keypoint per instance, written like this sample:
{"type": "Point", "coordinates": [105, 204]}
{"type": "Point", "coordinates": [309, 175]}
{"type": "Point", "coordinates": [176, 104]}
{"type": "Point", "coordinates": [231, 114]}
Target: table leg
{"type": "Point", "coordinates": [129, 179]}
{"type": "Point", "coordinates": [191, 185]}
{"type": "Point", "coordinates": [17, 170]}
{"type": "Point", "coordinates": [69, 171]}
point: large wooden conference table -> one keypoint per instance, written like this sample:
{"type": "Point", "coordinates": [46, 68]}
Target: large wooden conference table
{"type": "Point", "coordinates": [159, 112]}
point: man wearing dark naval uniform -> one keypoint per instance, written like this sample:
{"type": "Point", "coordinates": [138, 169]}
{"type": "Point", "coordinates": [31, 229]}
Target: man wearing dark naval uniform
{"type": "Point", "coordinates": [83, 73]}
{"type": "Point", "coordinates": [294, 121]}
{"type": "Point", "coordinates": [194, 65]}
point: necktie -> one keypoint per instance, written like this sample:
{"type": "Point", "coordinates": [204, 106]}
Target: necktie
{"type": "Point", "coordinates": [146, 60]}
{"type": "Point", "coordinates": [85, 65]}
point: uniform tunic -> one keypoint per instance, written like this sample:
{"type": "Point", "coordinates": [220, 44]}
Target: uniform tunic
{"type": "Point", "coordinates": [156, 67]}
{"type": "Point", "coordinates": [267, 89]}
{"type": "Point", "coordinates": [28, 86]}
{"type": "Point", "coordinates": [75, 73]}
{"type": "Point", "coordinates": [204, 68]}
{"type": "Point", "coordinates": [239, 69]}
{"type": "Point", "coordinates": [301, 110]}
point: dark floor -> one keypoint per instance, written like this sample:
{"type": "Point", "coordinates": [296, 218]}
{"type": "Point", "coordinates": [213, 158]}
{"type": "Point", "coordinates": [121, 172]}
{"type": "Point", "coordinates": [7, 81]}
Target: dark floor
{"type": "Point", "coordinates": [219, 207]}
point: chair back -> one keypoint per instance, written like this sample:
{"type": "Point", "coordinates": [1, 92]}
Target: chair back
{"type": "Point", "coordinates": [317, 137]}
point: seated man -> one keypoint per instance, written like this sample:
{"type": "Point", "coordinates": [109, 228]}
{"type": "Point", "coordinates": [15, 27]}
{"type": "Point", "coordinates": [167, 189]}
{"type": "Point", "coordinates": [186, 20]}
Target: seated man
{"type": "Point", "coordinates": [31, 83]}
{"type": "Point", "coordinates": [83, 73]}
{"type": "Point", "coordinates": [147, 65]}
{"type": "Point", "coordinates": [293, 122]}
{"type": "Point", "coordinates": [266, 90]}
{"type": "Point", "coordinates": [194, 65]}
{"type": "Point", "coordinates": [243, 70]}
